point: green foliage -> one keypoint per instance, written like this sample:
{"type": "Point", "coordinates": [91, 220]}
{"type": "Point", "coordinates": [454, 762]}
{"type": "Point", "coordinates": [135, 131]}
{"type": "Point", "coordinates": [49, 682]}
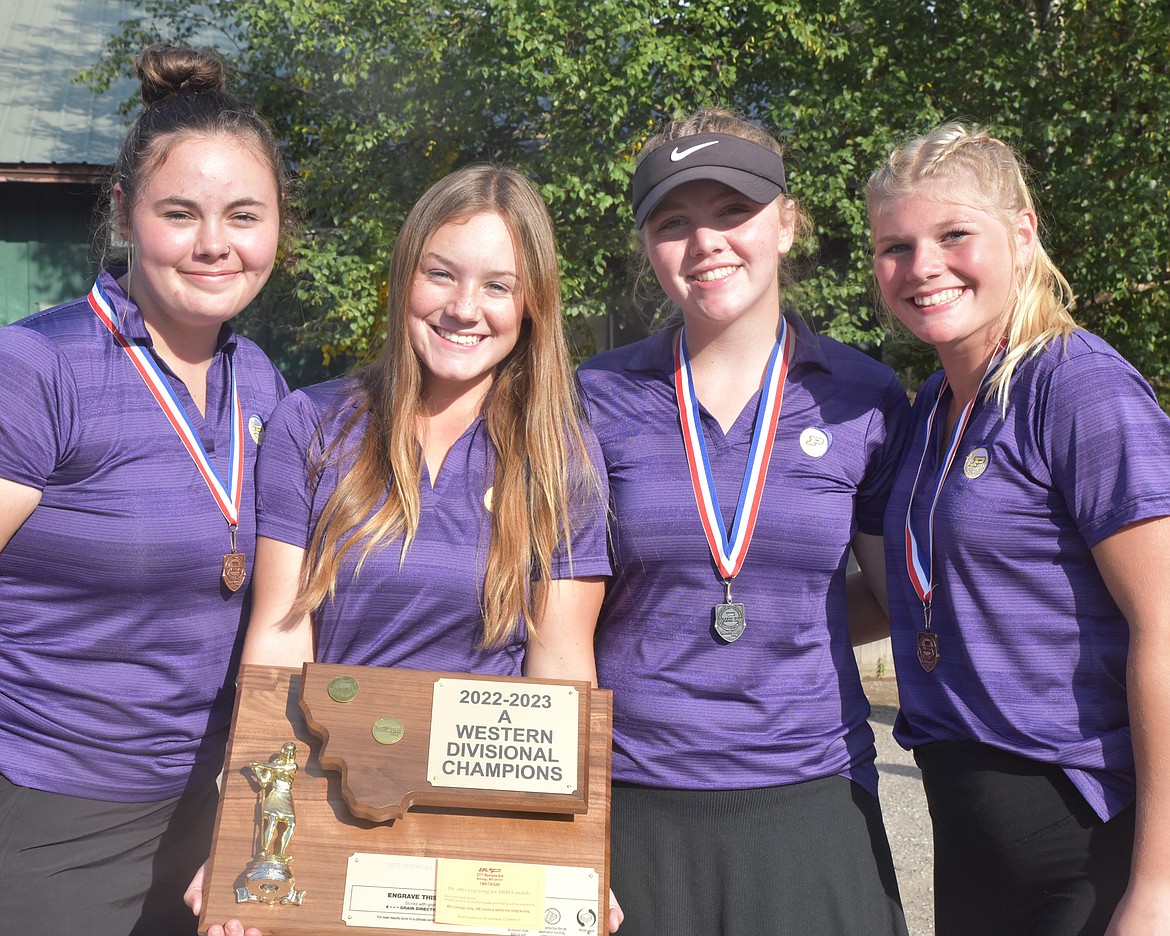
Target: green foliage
{"type": "Point", "coordinates": [375, 99]}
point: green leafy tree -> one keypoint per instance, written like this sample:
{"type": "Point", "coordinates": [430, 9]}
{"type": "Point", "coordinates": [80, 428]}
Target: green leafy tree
{"type": "Point", "coordinates": [375, 99]}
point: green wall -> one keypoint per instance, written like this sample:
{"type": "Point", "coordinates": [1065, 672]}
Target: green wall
{"type": "Point", "coordinates": [45, 253]}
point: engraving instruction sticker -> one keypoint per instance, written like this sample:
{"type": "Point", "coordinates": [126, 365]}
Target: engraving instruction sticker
{"type": "Point", "coordinates": [489, 893]}
{"type": "Point", "coordinates": [402, 892]}
{"type": "Point", "coordinates": [504, 736]}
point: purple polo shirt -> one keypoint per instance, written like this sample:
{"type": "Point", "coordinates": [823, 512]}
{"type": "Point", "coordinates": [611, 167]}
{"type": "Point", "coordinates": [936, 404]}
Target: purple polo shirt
{"type": "Point", "coordinates": [423, 612]}
{"type": "Point", "coordinates": [783, 703]}
{"type": "Point", "coordinates": [117, 638]}
{"type": "Point", "coordinates": [1032, 648]}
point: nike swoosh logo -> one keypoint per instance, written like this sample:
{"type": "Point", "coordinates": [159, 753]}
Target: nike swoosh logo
{"type": "Point", "coordinates": [683, 154]}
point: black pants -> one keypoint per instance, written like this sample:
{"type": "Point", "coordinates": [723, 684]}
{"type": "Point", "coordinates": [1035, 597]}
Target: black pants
{"type": "Point", "coordinates": [1017, 850]}
{"type": "Point", "coordinates": [807, 859]}
{"type": "Point", "coordinates": [76, 867]}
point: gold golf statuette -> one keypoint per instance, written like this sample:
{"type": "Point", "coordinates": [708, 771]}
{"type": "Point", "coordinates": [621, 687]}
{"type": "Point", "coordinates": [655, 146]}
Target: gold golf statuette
{"type": "Point", "coordinates": [268, 878]}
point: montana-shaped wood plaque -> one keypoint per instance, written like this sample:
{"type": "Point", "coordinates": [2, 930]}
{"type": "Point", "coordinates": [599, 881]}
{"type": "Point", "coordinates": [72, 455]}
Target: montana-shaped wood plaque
{"type": "Point", "coordinates": [421, 803]}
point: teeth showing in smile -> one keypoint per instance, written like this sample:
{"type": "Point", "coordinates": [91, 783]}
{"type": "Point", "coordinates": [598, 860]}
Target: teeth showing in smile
{"type": "Point", "coordinates": [711, 275]}
{"type": "Point", "coordinates": [467, 341]}
{"type": "Point", "coordinates": [947, 295]}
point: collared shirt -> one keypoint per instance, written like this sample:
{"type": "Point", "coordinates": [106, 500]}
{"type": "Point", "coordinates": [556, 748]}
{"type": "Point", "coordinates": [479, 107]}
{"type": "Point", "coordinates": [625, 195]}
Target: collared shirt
{"type": "Point", "coordinates": [422, 611]}
{"type": "Point", "coordinates": [1032, 648]}
{"type": "Point", "coordinates": [116, 635]}
{"type": "Point", "coordinates": [784, 702]}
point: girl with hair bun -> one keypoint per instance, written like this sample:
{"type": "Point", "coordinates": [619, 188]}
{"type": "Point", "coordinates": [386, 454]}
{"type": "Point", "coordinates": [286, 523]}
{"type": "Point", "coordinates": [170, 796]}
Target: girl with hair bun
{"type": "Point", "coordinates": [746, 455]}
{"type": "Point", "coordinates": [440, 509]}
{"type": "Point", "coordinates": [1028, 552]}
{"type": "Point", "coordinates": [129, 426]}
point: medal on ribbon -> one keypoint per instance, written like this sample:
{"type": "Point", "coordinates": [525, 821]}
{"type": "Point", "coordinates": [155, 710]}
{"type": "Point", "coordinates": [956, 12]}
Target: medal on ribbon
{"type": "Point", "coordinates": [729, 548]}
{"type": "Point", "coordinates": [920, 549]}
{"type": "Point", "coordinates": [227, 496]}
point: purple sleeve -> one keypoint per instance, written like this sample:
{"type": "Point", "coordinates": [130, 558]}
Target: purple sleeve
{"type": "Point", "coordinates": [886, 442]}
{"type": "Point", "coordinates": [38, 400]}
{"type": "Point", "coordinates": [1105, 441]}
{"type": "Point", "coordinates": [587, 523]}
{"type": "Point", "coordinates": [284, 501]}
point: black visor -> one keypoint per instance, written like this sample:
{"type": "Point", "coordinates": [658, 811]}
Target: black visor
{"type": "Point", "coordinates": [747, 167]}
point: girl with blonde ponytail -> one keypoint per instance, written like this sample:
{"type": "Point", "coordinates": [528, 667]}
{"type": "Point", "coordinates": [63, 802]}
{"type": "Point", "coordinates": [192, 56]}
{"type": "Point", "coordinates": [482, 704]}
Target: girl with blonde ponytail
{"type": "Point", "coordinates": [1028, 553]}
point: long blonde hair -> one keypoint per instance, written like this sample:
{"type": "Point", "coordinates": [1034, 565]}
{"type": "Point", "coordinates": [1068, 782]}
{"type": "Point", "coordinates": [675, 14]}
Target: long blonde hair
{"type": "Point", "coordinates": [983, 172]}
{"type": "Point", "coordinates": [531, 413]}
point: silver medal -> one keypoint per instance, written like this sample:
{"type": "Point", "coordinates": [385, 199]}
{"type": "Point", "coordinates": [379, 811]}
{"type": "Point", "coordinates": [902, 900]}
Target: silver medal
{"type": "Point", "coordinates": [730, 620]}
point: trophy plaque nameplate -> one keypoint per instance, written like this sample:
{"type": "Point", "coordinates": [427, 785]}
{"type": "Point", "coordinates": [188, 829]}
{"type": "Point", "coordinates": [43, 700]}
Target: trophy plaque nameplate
{"type": "Point", "coordinates": [424, 803]}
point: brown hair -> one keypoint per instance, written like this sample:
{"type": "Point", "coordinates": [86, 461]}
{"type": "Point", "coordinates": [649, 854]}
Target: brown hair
{"type": "Point", "coordinates": [531, 412]}
{"type": "Point", "coordinates": [184, 94]}
{"type": "Point", "coordinates": [976, 169]}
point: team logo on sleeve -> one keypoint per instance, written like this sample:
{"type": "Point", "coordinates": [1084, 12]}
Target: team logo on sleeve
{"type": "Point", "coordinates": [976, 463]}
{"type": "Point", "coordinates": [814, 441]}
{"type": "Point", "coordinates": [256, 428]}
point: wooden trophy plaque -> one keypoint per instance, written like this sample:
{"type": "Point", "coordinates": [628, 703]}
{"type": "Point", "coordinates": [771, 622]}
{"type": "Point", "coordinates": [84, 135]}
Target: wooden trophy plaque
{"type": "Point", "coordinates": [412, 803]}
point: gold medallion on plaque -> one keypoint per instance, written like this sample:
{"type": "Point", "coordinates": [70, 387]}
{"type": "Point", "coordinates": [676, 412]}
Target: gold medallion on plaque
{"type": "Point", "coordinates": [388, 730]}
{"type": "Point", "coordinates": [343, 689]}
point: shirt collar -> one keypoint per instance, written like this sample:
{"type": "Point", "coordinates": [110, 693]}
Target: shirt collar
{"type": "Point", "coordinates": [129, 318]}
{"type": "Point", "coordinates": [656, 354]}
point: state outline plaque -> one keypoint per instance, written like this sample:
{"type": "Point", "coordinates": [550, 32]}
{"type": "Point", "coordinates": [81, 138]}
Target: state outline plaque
{"type": "Point", "coordinates": [374, 834]}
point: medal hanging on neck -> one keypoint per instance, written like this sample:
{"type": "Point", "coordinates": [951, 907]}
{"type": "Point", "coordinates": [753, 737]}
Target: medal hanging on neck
{"type": "Point", "coordinates": [920, 550]}
{"type": "Point", "coordinates": [227, 497]}
{"type": "Point", "coordinates": [729, 550]}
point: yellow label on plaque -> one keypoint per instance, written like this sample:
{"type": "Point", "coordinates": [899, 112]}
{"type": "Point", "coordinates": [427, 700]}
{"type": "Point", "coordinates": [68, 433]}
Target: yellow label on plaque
{"type": "Point", "coordinates": [489, 894]}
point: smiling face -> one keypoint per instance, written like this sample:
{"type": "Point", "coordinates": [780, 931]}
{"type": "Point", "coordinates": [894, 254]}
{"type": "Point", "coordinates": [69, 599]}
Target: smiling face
{"type": "Point", "coordinates": [204, 230]}
{"type": "Point", "coordinates": [948, 271]}
{"type": "Point", "coordinates": [716, 254]}
{"type": "Point", "coordinates": [465, 305]}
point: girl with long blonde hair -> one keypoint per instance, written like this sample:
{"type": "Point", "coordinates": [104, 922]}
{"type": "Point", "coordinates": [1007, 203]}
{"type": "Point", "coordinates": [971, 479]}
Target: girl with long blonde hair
{"type": "Point", "coordinates": [440, 508]}
{"type": "Point", "coordinates": [1028, 552]}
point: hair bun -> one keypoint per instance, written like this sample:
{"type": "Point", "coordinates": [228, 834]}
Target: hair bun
{"type": "Point", "coordinates": [165, 71]}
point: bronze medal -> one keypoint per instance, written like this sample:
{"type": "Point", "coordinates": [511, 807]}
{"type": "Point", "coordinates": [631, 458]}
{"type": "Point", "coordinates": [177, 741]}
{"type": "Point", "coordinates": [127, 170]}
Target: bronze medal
{"type": "Point", "coordinates": [928, 650]}
{"type": "Point", "coordinates": [235, 568]}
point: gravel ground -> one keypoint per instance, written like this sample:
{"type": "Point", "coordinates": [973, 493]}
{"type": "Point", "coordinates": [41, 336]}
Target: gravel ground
{"type": "Point", "coordinates": [904, 810]}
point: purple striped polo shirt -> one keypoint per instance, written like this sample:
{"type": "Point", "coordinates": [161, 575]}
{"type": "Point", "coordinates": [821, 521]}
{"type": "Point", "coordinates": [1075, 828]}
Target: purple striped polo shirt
{"type": "Point", "coordinates": [422, 613]}
{"type": "Point", "coordinates": [117, 638]}
{"type": "Point", "coordinates": [1032, 648]}
{"type": "Point", "coordinates": [784, 702]}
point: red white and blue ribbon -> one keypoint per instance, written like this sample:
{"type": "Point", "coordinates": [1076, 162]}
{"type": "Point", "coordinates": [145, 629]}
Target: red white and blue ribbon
{"type": "Point", "coordinates": [920, 551]}
{"type": "Point", "coordinates": [227, 496]}
{"type": "Point", "coordinates": [729, 549]}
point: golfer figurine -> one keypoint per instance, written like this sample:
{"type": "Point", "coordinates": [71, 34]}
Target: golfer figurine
{"type": "Point", "coordinates": [268, 879]}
